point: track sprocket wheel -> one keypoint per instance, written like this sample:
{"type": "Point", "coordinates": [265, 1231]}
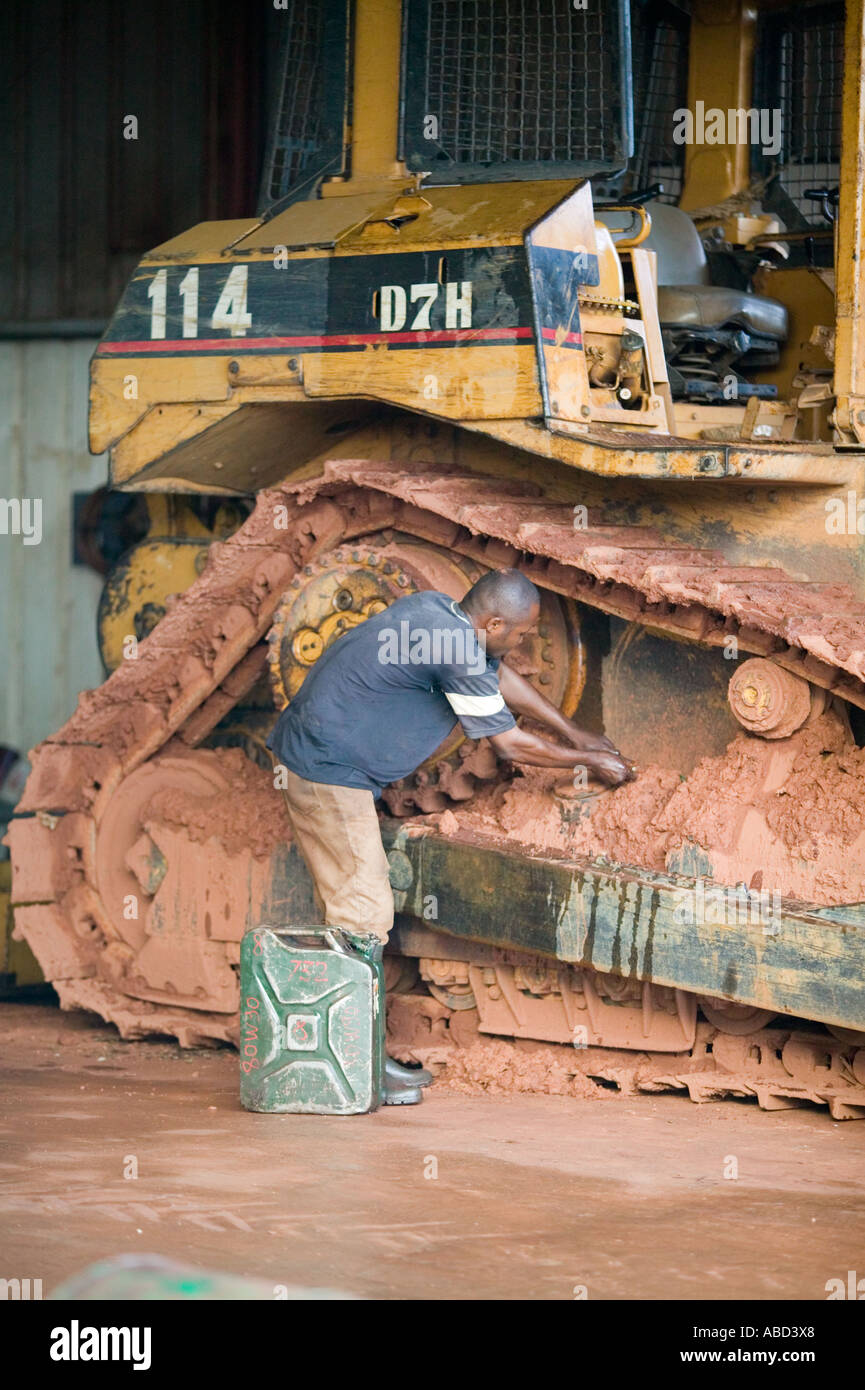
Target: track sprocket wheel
{"type": "Point", "coordinates": [345, 586]}
{"type": "Point", "coordinates": [132, 859]}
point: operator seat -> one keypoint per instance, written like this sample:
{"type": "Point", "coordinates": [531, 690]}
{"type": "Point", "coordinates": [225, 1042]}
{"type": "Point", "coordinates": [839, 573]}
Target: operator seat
{"type": "Point", "coordinates": [686, 295]}
{"type": "Point", "coordinates": [706, 328]}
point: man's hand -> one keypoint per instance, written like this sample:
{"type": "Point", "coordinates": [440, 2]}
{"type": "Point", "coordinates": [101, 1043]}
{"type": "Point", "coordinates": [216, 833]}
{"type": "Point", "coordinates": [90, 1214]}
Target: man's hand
{"type": "Point", "coordinates": [611, 767]}
{"type": "Point", "coordinates": [520, 746]}
{"type": "Point", "coordinates": [588, 742]}
{"type": "Point", "coordinates": [592, 751]}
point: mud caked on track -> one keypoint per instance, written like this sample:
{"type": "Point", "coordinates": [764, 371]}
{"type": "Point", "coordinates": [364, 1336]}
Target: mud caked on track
{"type": "Point", "coordinates": [124, 793]}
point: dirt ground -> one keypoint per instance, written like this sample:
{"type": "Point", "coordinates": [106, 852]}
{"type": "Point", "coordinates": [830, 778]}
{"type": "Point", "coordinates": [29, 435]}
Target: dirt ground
{"type": "Point", "coordinates": [535, 1197]}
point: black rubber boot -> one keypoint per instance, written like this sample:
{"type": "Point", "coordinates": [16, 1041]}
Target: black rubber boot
{"type": "Point", "coordinates": [397, 1094]}
{"type": "Point", "coordinates": [398, 1075]}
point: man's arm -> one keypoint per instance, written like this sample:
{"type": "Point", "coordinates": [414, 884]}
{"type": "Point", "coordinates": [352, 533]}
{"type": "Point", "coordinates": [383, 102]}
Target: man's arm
{"type": "Point", "coordinates": [521, 697]}
{"type": "Point", "coordinates": [519, 746]}
{"type": "Point", "coordinates": [485, 705]}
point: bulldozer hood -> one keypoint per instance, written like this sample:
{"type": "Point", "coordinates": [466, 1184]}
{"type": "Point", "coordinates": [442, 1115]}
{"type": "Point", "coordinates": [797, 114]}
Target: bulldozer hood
{"type": "Point", "coordinates": [452, 301]}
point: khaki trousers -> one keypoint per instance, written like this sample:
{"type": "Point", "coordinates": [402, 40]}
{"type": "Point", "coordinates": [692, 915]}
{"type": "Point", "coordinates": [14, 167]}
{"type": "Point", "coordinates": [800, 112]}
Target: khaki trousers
{"type": "Point", "coordinates": [337, 832]}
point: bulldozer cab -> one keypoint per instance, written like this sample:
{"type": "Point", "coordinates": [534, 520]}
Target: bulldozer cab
{"type": "Point", "coordinates": [607, 224]}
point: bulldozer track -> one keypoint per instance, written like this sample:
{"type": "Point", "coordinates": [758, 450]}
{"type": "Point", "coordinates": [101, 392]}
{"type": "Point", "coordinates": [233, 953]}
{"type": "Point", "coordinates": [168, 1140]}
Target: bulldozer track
{"type": "Point", "coordinates": [209, 649]}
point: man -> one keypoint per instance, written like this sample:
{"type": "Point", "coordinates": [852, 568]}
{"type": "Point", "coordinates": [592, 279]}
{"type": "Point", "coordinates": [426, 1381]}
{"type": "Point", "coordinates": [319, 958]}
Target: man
{"type": "Point", "coordinates": [379, 701]}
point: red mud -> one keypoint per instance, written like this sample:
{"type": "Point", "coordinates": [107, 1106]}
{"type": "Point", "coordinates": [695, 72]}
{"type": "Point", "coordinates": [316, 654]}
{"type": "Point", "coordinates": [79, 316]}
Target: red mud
{"type": "Point", "coordinates": [534, 1195]}
{"type": "Point", "coordinates": [784, 815]}
{"type": "Point", "coordinates": [528, 811]}
{"type": "Point", "coordinates": [249, 818]}
{"type": "Point", "coordinates": [498, 1068]}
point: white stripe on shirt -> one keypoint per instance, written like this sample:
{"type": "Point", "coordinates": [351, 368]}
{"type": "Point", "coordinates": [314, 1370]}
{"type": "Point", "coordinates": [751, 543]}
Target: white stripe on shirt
{"type": "Point", "coordinates": [475, 704]}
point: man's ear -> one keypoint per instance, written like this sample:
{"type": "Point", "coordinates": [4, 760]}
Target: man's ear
{"type": "Point", "coordinates": [494, 626]}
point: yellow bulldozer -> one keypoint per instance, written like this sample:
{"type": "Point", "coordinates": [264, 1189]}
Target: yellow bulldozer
{"type": "Point", "coordinates": [573, 288]}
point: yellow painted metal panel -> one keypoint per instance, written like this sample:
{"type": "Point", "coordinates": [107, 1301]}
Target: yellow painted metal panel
{"type": "Point", "coordinates": [122, 390]}
{"type": "Point", "coordinates": [378, 29]}
{"type": "Point", "coordinates": [850, 270]}
{"type": "Point", "coordinates": [473, 384]}
{"type": "Point", "coordinates": [720, 67]}
{"type": "Point", "coordinates": [319, 222]}
{"type": "Point", "coordinates": [492, 214]}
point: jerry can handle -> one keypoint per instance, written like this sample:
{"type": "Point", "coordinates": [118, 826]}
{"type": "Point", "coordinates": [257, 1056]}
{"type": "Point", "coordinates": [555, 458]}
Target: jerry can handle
{"type": "Point", "coordinates": [335, 937]}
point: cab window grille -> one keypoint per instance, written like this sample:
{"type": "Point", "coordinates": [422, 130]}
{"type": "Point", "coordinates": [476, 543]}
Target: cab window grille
{"type": "Point", "coordinates": [307, 128]}
{"type": "Point", "coordinates": [515, 88]}
{"type": "Point", "coordinates": [799, 71]}
{"type": "Point", "coordinates": [660, 38]}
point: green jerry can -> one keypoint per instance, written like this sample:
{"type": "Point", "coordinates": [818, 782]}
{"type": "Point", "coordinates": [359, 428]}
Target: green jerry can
{"type": "Point", "coordinates": [312, 1013]}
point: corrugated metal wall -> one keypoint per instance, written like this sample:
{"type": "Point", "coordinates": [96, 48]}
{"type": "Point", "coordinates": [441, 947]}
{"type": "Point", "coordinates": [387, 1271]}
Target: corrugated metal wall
{"type": "Point", "coordinates": [81, 202]}
{"type": "Point", "coordinates": [79, 206]}
{"type": "Point", "coordinates": [48, 649]}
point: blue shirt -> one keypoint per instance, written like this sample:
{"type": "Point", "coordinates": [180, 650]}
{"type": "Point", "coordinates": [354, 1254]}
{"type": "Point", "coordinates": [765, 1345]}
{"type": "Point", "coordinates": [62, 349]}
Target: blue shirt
{"type": "Point", "coordinates": [386, 693]}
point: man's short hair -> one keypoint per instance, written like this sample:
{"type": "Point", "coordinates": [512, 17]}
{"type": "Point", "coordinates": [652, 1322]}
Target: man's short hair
{"type": "Point", "coordinates": [504, 594]}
